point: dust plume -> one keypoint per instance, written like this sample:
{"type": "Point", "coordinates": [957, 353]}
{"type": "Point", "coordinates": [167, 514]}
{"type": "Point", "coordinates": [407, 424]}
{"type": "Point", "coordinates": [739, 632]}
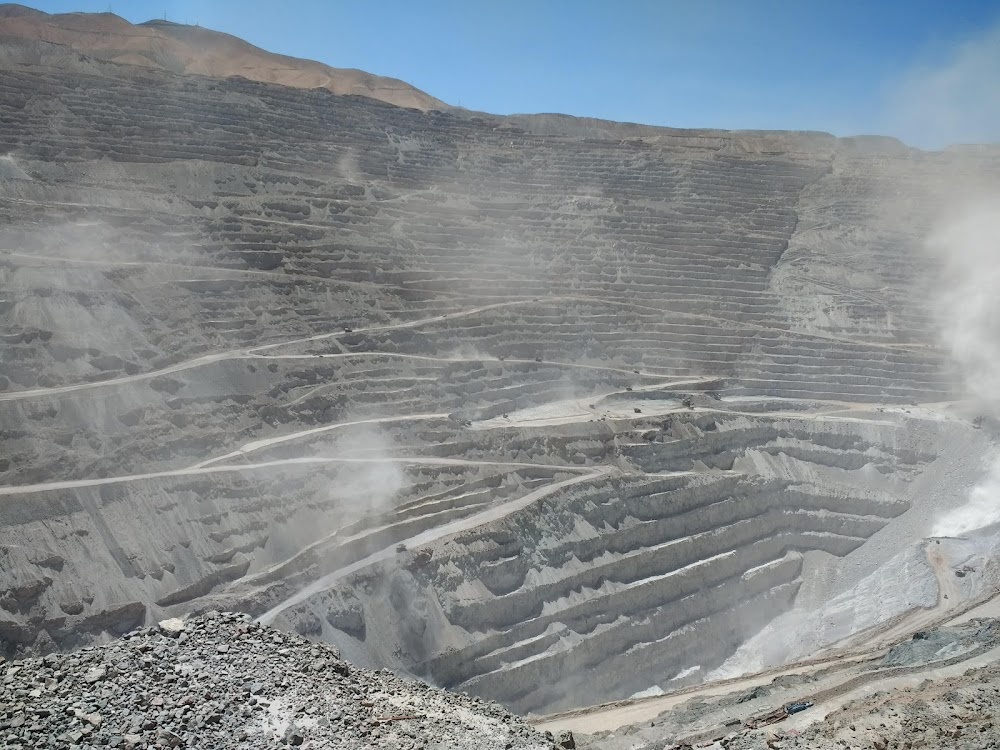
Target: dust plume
{"type": "Point", "coordinates": [367, 487]}
{"type": "Point", "coordinates": [955, 99]}
{"type": "Point", "coordinates": [969, 245]}
{"type": "Point", "coordinates": [347, 168]}
{"type": "Point", "coordinates": [371, 485]}
{"type": "Point", "coordinates": [982, 509]}
{"type": "Point", "coordinates": [72, 286]}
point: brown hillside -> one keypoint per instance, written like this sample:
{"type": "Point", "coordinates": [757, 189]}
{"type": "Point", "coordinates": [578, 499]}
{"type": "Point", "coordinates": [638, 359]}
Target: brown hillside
{"type": "Point", "coordinates": [190, 49]}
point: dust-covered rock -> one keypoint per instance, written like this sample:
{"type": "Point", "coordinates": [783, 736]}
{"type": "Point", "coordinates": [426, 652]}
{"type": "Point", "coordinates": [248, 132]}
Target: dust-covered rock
{"type": "Point", "coordinates": [234, 684]}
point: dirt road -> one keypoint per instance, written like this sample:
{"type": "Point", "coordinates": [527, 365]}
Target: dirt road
{"type": "Point", "coordinates": [257, 445]}
{"type": "Point", "coordinates": [313, 460]}
{"type": "Point", "coordinates": [640, 710]}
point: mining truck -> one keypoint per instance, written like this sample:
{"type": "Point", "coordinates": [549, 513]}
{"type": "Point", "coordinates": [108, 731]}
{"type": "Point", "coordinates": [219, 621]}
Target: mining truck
{"type": "Point", "coordinates": [797, 706]}
{"type": "Point", "coordinates": [778, 714]}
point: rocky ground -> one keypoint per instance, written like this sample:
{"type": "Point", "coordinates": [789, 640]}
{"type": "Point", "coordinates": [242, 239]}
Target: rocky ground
{"type": "Point", "coordinates": [937, 688]}
{"type": "Point", "coordinates": [222, 681]}
{"type": "Point", "coordinates": [963, 712]}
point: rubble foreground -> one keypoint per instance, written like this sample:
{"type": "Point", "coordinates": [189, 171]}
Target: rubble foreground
{"type": "Point", "coordinates": [223, 681]}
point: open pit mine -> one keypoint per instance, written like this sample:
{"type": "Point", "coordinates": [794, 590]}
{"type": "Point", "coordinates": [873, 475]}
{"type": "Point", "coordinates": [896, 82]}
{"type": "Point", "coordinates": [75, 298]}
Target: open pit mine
{"type": "Point", "coordinates": [554, 412]}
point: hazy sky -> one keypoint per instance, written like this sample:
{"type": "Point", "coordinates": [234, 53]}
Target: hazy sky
{"type": "Point", "coordinates": [927, 71]}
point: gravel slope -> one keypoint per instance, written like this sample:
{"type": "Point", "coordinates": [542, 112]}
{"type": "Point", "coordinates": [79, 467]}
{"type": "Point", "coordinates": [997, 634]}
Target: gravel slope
{"type": "Point", "coordinates": [222, 681]}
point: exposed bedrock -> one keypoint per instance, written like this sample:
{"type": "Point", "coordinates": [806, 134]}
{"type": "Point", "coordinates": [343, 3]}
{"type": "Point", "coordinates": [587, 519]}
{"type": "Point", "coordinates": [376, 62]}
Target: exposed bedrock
{"type": "Point", "coordinates": [79, 559]}
{"type": "Point", "coordinates": [619, 584]}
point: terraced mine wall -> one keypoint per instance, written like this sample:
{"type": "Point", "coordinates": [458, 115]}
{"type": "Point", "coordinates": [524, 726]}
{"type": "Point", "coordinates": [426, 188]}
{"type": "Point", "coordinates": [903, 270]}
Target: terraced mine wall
{"type": "Point", "coordinates": [547, 410]}
{"type": "Point", "coordinates": [609, 587]}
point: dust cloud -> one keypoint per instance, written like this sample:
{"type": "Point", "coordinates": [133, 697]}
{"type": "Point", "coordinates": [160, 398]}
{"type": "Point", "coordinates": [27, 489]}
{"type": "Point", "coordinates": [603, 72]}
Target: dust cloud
{"type": "Point", "coordinates": [969, 309]}
{"type": "Point", "coordinates": [982, 509]}
{"type": "Point", "coordinates": [953, 99]}
{"type": "Point", "coordinates": [968, 243]}
{"type": "Point", "coordinates": [373, 484]}
{"type": "Point", "coordinates": [956, 99]}
{"type": "Point", "coordinates": [365, 488]}
{"type": "Point", "coordinates": [73, 286]}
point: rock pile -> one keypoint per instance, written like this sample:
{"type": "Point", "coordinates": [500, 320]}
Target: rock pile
{"type": "Point", "coordinates": [222, 681]}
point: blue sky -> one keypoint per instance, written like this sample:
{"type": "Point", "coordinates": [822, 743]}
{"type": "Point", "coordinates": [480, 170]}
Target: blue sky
{"type": "Point", "coordinates": [925, 71]}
